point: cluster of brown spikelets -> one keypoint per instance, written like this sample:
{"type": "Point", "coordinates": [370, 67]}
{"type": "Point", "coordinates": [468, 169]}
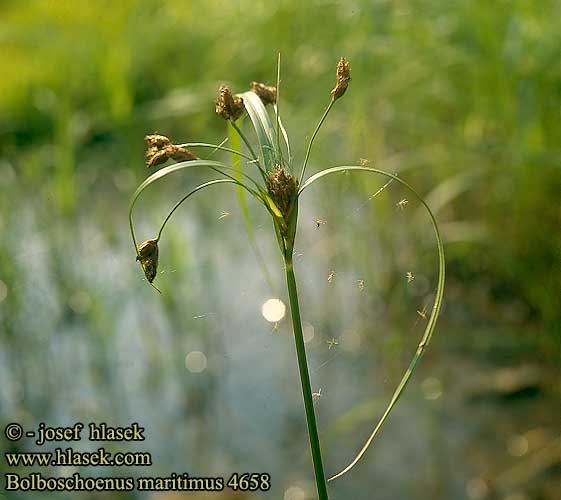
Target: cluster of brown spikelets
{"type": "Point", "coordinates": [282, 185]}
{"type": "Point", "coordinates": [161, 149]}
{"type": "Point", "coordinates": [267, 93]}
{"type": "Point", "coordinates": [232, 108]}
{"type": "Point", "coordinates": [343, 79]}
{"type": "Point", "coordinates": [228, 106]}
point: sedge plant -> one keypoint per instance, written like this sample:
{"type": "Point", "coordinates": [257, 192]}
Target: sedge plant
{"type": "Point", "coordinates": [264, 169]}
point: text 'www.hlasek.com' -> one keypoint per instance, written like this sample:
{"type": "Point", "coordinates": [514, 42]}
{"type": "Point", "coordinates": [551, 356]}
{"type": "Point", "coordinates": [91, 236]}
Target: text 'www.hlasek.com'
{"type": "Point", "coordinates": [69, 460]}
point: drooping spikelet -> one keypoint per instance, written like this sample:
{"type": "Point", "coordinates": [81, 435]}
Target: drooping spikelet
{"type": "Point", "coordinates": [160, 149]}
{"type": "Point", "coordinates": [267, 93]}
{"type": "Point", "coordinates": [148, 257]}
{"type": "Point", "coordinates": [343, 79]}
{"type": "Point", "coordinates": [228, 106]}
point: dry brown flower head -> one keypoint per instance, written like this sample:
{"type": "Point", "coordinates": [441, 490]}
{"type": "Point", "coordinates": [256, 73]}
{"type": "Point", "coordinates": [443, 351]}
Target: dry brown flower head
{"type": "Point", "coordinates": [160, 149]}
{"type": "Point", "coordinates": [148, 257]}
{"type": "Point", "coordinates": [228, 106]}
{"type": "Point", "coordinates": [267, 93]}
{"type": "Point", "coordinates": [282, 186]}
{"type": "Point", "coordinates": [343, 79]}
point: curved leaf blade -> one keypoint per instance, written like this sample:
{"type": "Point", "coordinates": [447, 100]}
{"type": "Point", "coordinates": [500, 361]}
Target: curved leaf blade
{"type": "Point", "coordinates": [266, 133]}
{"type": "Point", "coordinates": [427, 334]}
{"type": "Point", "coordinates": [216, 166]}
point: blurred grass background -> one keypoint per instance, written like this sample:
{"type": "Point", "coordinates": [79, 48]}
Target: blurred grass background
{"type": "Point", "coordinates": [460, 98]}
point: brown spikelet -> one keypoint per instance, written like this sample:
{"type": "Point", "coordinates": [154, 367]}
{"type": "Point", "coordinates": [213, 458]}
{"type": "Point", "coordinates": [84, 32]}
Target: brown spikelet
{"type": "Point", "coordinates": [267, 93]}
{"type": "Point", "coordinates": [160, 149]}
{"type": "Point", "coordinates": [228, 106]}
{"type": "Point", "coordinates": [155, 157]}
{"type": "Point", "coordinates": [157, 141]}
{"type": "Point", "coordinates": [282, 186]}
{"type": "Point", "coordinates": [148, 257]}
{"type": "Point", "coordinates": [343, 79]}
{"type": "Point", "coordinates": [179, 153]}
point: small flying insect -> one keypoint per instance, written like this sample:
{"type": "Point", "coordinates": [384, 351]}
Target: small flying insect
{"type": "Point", "coordinates": [363, 162]}
{"type": "Point", "coordinates": [360, 284]}
{"type": "Point", "coordinates": [224, 214]}
{"type": "Point", "coordinates": [402, 203]}
{"type": "Point", "coordinates": [422, 314]}
{"type": "Point", "coordinates": [319, 222]}
{"type": "Point", "coordinates": [316, 395]}
{"type": "Point", "coordinates": [409, 276]}
{"type": "Point", "coordinates": [332, 342]}
{"type": "Point", "coordinates": [331, 276]}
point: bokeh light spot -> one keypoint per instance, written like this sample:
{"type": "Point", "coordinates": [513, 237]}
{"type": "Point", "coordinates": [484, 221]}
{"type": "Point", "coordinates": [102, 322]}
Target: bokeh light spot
{"type": "Point", "coordinates": [477, 488]}
{"type": "Point", "coordinates": [273, 310]}
{"type": "Point", "coordinates": [294, 493]}
{"type": "Point", "coordinates": [432, 388]}
{"type": "Point", "coordinates": [309, 332]}
{"type": "Point", "coordinates": [195, 362]}
{"type": "Point", "coordinates": [518, 446]}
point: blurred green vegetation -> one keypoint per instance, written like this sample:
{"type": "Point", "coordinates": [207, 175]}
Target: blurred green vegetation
{"type": "Point", "coordinates": [461, 98]}
{"type": "Point", "coordinates": [463, 95]}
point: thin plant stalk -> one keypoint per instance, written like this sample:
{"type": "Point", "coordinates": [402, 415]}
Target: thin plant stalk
{"type": "Point", "coordinates": [309, 150]}
{"type": "Point", "coordinates": [277, 105]}
{"type": "Point", "coordinates": [305, 381]}
{"type": "Point", "coordinates": [217, 147]}
{"type": "Point", "coordinates": [248, 145]}
{"type": "Point", "coordinates": [191, 193]}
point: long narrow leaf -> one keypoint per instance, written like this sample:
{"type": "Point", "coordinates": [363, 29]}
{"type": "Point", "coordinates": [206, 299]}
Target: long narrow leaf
{"type": "Point", "coordinates": [266, 134]}
{"type": "Point", "coordinates": [216, 166]}
{"type": "Point", "coordinates": [427, 334]}
{"type": "Point", "coordinates": [200, 187]}
{"type": "Point", "coordinates": [285, 136]}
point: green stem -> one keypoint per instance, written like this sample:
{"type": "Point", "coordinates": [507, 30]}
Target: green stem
{"type": "Point", "coordinates": [277, 106]}
{"type": "Point", "coordinates": [327, 110]}
{"type": "Point", "coordinates": [305, 380]}
{"type": "Point", "coordinates": [248, 145]}
{"type": "Point", "coordinates": [216, 147]}
{"type": "Point", "coordinates": [191, 193]}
